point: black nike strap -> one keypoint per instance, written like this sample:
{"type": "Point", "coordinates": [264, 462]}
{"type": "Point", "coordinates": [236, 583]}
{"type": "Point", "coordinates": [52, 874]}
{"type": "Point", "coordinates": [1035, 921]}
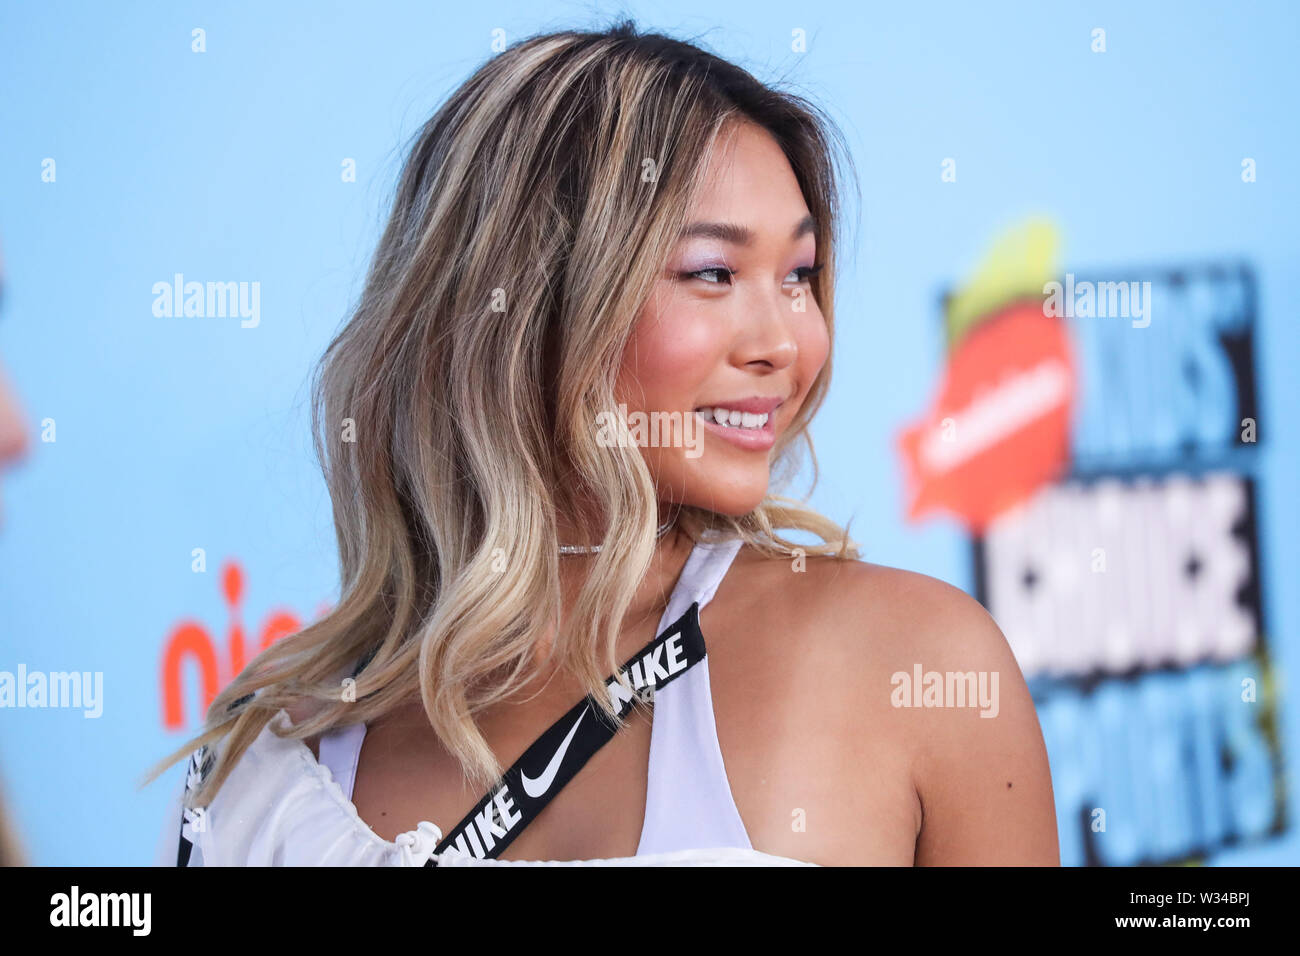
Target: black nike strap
{"type": "Point", "coordinates": [557, 756]}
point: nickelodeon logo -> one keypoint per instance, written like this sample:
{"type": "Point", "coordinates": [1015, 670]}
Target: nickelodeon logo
{"type": "Point", "coordinates": [190, 641]}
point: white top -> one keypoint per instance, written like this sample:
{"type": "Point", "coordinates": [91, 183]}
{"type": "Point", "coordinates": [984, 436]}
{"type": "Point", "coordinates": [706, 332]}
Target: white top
{"type": "Point", "coordinates": [282, 807]}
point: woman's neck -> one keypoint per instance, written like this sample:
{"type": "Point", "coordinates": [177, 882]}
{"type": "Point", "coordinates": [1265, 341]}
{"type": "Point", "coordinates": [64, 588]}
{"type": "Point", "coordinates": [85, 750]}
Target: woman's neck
{"type": "Point", "coordinates": [651, 595]}
{"type": "Point", "coordinates": [650, 598]}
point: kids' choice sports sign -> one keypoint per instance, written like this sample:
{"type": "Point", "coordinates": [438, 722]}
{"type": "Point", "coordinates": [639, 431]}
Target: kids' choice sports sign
{"type": "Point", "coordinates": [1104, 466]}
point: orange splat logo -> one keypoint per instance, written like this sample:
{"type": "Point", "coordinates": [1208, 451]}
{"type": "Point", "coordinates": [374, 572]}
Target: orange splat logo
{"type": "Point", "coordinates": [190, 640]}
{"type": "Point", "coordinates": [999, 426]}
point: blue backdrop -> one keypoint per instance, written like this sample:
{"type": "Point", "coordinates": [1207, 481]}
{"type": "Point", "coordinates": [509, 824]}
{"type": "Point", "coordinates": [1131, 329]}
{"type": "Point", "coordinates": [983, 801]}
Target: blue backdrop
{"type": "Point", "coordinates": [129, 158]}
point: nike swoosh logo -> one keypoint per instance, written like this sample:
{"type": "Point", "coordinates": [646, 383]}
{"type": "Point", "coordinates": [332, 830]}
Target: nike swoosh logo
{"type": "Point", "coordinates": [536, 787]}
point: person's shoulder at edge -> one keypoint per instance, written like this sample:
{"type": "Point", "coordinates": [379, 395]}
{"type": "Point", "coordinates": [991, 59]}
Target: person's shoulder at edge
{"type": "Point", "coordinates": [980, 770]}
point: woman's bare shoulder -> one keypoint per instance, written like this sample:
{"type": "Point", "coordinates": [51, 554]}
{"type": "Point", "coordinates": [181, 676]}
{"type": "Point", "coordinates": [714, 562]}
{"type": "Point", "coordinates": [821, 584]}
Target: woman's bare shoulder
{"type": "Point", "coordinates": [922, 662]}
{"type": "Point", "coordinates": [862, 606]}
{"type": "Point", "coordinates": [869, 623]}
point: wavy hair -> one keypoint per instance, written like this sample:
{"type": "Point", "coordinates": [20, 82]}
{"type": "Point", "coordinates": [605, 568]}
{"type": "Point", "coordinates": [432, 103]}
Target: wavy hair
{"type": "Point", "coordinates": [454, 414]}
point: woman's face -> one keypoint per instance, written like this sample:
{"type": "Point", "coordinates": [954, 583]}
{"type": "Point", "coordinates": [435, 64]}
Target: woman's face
{"type": "Point", "coordinates": [731, 332]}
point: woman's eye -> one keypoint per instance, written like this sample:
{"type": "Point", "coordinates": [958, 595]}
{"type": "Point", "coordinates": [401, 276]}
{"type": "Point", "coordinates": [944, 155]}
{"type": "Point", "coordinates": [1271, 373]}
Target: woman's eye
{"type": "Point", "coordinates": [711, 275]}
{"type": "Point", "coordinates": [804, 273]}
{"type": "Point", "coordinates": [718, 275]}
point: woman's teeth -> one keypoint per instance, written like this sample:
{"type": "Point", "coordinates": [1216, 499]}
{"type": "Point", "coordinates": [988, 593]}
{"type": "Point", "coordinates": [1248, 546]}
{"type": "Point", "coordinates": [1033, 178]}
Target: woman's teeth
{"type": "Point", "coordinates": [733, 419]}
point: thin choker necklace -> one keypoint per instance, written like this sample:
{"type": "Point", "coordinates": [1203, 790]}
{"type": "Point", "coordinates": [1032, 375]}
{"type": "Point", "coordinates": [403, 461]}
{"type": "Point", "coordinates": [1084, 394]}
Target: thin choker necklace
{"type": "Point", "coordinates": [595, 548]}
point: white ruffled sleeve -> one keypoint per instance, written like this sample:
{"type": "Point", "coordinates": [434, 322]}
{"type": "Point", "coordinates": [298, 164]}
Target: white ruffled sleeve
{"type": "Point", "coordinates": [280, 807]}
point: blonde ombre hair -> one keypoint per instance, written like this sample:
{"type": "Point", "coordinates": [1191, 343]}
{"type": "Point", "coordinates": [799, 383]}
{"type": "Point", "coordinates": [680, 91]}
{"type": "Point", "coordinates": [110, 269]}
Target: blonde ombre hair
{"type": "Point", "coordinates": [532, 217]}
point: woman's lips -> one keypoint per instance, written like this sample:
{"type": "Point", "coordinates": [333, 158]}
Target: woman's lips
{"type": "Point", "coordinates": [748, 439]}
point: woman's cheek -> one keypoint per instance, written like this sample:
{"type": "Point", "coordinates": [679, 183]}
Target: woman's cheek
{"type": "Point", "coordinates": [814, 346]}
{"type": "Point", "coordinates": [671, 356]}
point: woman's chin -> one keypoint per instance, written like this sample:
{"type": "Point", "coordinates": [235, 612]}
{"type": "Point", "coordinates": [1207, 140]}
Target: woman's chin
{"type": "Point", "coordinates": [733, 501]}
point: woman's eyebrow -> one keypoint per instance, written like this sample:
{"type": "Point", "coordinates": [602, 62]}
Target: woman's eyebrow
{"type": "Point", "coordinates": [740, 235]}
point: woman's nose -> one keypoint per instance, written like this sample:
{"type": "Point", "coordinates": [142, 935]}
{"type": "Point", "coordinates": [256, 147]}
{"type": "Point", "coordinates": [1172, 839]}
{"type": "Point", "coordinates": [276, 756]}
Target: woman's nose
{"type": "Point", "coordinates": [770, 339]}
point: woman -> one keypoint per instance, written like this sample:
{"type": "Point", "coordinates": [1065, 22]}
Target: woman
{"type": "Point", "coordinates": [595, 231]}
